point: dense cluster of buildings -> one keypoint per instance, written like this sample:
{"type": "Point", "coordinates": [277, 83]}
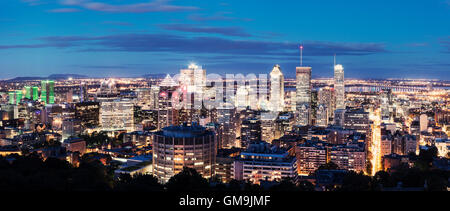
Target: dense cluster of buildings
{"type": "Point", "coordinates": [245, 128]}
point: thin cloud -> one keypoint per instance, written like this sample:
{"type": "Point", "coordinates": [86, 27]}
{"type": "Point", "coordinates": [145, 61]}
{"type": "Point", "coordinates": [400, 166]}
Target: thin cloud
{"type": "Point", "coordinates": [220, 16]}
{"type": "Point", "coordinates": [63, 10]}
{"type": "Point", "coordinates": [117, 23]}
{"type": "Point", "coordinates": [151, 6]}
{"type": "Point", "coordinates": [201, 45]}
{"type": "Point", "coordinates": [227, 31]}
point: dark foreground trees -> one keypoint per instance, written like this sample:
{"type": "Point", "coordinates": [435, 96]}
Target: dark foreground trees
{"type": "Point", "coordinates": [31, 173]}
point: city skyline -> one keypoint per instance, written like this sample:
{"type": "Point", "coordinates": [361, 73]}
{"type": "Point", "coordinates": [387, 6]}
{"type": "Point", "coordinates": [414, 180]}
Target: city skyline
{"type": "Point", "coordinates": [118, 39]}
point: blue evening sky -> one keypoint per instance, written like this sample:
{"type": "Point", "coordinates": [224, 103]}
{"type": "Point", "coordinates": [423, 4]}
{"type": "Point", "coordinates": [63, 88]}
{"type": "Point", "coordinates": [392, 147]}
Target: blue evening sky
{"type": "Point", "coordinates": [372, 39]}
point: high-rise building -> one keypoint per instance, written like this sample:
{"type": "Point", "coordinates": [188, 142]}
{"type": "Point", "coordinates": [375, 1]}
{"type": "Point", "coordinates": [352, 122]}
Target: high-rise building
{"type": "Point", "coordinates": [167, 114]}
{"type": "Point", "coordinates": [250, 131]}
{"type": "Point", "coordinates": [48, 92]}
{"type": "Point", "coordinates": [242, 98]}
{"type": "Point", "coordinates": [326, 97]}
{"type": "Point", "coordinates": [19, 96]}
{"type": "Point", "coordinates": [154, 96]}
{"type": "Point", "coordinates": [268, 126]}
{"type": "Point", "coordinates": [176, 147]}
{"type": "Point", "coordinates": [386, 105]}
{"type": "Point", "coordinates": [276, 89]}
{"type": "Point", "coordinates": [35, 93]}
{"type": "Point", "coordinates": [339, 86]}
{"type": "Point", "coordinates": [193, 83]}
{"type": "Point", "coordinates": [28, 92]}
{"type": "Point", "coordinates": [84, 97]}
{"type": "Point", "coordinates": [303, 95]}
{"type": "Point", "coordinates": [12, 97]}
{"type": "Point", "coordinates": [226, 118]}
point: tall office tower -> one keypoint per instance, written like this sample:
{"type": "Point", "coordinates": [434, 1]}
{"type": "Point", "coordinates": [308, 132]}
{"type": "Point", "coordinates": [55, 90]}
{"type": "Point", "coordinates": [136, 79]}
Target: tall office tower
{"type": "Point", "coordinates": [154, 95]}
{"type": "Point", "coordinates": [339, 86]}
{"type": "Point", "coordinates": [12, 97]}
{"type": "Point", "coordinates": [242, 98]}
{"type": "Point", "coordinates": [44, 97]}
{"type": "Point", "coordinates": [84, 97]}
{"type": "Point", "coordinates": [226, 118]}
{"type": "Point", "coordinates": [326, 97]}
{"type": "Point", "coordinates": [35, 93]}
{"type": "Point", "coordinates": [193, 83]}
{"type": "Point", "coordinates": [117, 114]}
{"type": "Point", "coordinates": [176, 147]}
{"type": "Point", "coordinates": [386, 105]}
{"type": "Point", "coordinates": [19, 95]}
{"type": "Point", "coordinates": [167, 114]}
{"type": "Point", "coordinates": [250, 131]}
{"type": "Point", "coordinates": [303, 95]}
{"type": "Point", "coordinates": [276, 89]}
{"type": "Point", "coordinates": [48, 92]}
{"type": "Point", "coordinates": [28, 92]}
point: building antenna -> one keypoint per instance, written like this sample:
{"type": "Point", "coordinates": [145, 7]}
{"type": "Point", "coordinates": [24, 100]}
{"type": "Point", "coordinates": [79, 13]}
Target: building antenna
{"type": "Point", "coordinates": [301, 55]}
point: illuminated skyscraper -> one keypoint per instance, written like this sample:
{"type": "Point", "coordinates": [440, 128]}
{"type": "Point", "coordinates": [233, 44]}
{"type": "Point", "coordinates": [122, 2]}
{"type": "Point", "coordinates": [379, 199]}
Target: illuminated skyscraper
{"type": "Point", "coordinates": [166, 107]}
{"type": "Point", "coordinates": [193, 83]}
{"type": "Point", "coordinates": [35, 93]}
{"type": "Point", "coordinates": [12, 96]}
{"type": "Point", "coordinates": [339, 86]}
{"type": "Point", "coordinates": [386, 105]}
{"type": "Point", "coordinates": [27, 92]}
{"type": "Point", "coordinates": [242, 98]}
{"type": "Point", "coordinates": [276, 89]}
{"type": "Point", "coordinates": [303, 95]}
{"type": "Point", "coordinates": [19, 95]}
{"type": "Point", "coordinates": [48, 92]}
{"type": "Point", "coordinates": [326, 98]}
{"type": "Point", "coordinates": [226, 115]}
{"type": "Point", "coordinates": [83, 92]}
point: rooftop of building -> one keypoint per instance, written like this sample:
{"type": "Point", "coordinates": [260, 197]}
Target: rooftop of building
{"type": "Point", "coordinates": [184, 131]}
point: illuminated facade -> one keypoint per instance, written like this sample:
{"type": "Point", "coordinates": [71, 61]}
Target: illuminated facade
{"type": "Point", "coordinates": [339, 86]}
{"type": "Point", "coordinates": [276, 89]}
{"type": "Point", "coordinates": [117, 114]}
{"type": "Point", "coordinates": [167, 114]}
{"type": "Point", "coordinates": [48, 92]}
{"type": "Point", "coordinates": [176, 147]}
{"type": "Point", "coordinates": [262, 162]}
{"type": "Point", "coordinates": [303, 95]}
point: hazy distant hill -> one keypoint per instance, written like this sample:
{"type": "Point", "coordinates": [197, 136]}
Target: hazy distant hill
{"type": "Point", "coordinates": [65, 76]}
{"type": "Point", "coordinates": [159, 75]}
{"type": "Point", "coordinates": [51, 77]}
